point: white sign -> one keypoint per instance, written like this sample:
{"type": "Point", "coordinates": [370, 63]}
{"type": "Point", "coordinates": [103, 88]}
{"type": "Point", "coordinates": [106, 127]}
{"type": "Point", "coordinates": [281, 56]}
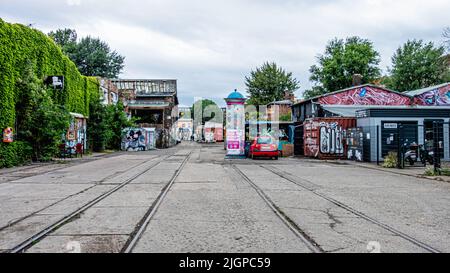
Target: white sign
{"type": "Point", "coordinates": [390, 126]}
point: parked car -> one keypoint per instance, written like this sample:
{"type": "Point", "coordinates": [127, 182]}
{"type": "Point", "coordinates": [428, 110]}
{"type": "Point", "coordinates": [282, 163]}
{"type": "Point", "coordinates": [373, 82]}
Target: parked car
{"type": "Point", "coordinates": [264, 146]}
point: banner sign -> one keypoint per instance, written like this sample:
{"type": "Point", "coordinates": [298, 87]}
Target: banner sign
{"type": "Point", "coordinates": [236, 129]}
{"type": "Point", "coordinates": [57, 82]}
{"type": "Point", "coordinates": [8, 136]}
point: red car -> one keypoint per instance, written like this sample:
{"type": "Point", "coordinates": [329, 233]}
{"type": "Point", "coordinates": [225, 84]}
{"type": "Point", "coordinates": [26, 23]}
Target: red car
{"type": "Point", "coordinates": [264, 147]}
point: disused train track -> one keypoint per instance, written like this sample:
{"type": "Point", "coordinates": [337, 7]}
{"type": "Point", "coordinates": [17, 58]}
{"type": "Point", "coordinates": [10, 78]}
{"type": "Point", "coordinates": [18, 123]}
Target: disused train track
{"type": "Point", "coordinates": [304, 238]}
{"type": "Point", "coordinates": [403, 235]}
{"type": "Point", "coordinates": [142, 225]}
{"type": "Point", "coordinates": [37, 237]}
{"type": "Point", "coordinates": [67, 164]}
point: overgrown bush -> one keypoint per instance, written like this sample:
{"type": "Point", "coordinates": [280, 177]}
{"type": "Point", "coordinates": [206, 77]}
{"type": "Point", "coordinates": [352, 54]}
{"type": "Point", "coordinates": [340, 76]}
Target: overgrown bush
{"type": "Point", "coordinates": [117, 121]}
{"type": "Point", "coordinates": [40, 122]}
{"type": "Point", "coordinates": [20, 47]}
{"type": "Point", "coordinates": [105, 126]}
{"type": "Point", "coordinates": [391, 160]}
{"type": "Point", "coordinates": [431, 172]}
{"type": "Point", "coordinates": [14, 154]}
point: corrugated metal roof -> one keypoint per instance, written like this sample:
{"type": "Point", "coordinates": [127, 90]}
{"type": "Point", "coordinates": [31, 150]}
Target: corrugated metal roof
{"type": "Point", "coordinates": [427, 89]}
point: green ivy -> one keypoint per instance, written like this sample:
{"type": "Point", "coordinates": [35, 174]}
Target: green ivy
{"type": "Point", "coordinates": [14, 154]}
{"type": "Point", "coordinates": [20, 45]}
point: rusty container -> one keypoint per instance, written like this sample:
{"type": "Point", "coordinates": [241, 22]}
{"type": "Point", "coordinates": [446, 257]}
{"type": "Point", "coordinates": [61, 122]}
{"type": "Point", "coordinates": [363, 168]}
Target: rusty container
{"type": "Point", "coordinates": [324, 138]}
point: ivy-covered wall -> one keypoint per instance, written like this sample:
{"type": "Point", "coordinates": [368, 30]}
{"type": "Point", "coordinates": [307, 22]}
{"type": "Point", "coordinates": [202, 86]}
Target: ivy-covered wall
{"type": "Point", "coordinates": [19, 44]}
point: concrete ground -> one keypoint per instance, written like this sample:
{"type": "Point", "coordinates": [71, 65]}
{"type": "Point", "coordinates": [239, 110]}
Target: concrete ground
{"type": "Point", "coordinates": [219, 205]}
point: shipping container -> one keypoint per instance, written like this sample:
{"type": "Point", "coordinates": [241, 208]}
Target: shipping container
{"type": "Point", "coordinates": [324, 138]}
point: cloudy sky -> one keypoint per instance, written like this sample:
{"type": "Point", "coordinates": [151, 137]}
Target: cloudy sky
{"type": "Point", "coordinates": [210, 46]}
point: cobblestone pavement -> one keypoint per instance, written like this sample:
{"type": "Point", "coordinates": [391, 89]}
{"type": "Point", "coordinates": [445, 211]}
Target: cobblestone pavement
{"type": "Point", "coordinates": [191, 199]}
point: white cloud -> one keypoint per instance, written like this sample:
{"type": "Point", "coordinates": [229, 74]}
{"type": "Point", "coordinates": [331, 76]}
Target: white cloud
{"type": "Point", "coordinates": [73, 2]}
{"type": "Point", "coordinates": [209, 46]}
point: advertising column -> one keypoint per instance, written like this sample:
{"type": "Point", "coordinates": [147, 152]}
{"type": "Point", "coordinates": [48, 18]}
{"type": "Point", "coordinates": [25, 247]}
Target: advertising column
{"type": "Point", "coordinates": [235, 141]}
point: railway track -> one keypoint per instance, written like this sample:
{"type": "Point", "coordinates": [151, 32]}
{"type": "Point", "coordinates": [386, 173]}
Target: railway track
{"type": "Point", "coordinates": [12, 223]}
{"type": "Point", "coordinates": [142, 225]}
{"type": "Point", "coordinates": [304, 238]}
{"type": "Point", "coordinates": [23, 246]}
{"type": "Point", "coordinates": [398, 233]}
{"type": "Point", "coordinates": [67, 165]}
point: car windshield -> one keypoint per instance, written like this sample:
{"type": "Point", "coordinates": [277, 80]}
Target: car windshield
{"type": "Point", "coordinates": [265, 140]}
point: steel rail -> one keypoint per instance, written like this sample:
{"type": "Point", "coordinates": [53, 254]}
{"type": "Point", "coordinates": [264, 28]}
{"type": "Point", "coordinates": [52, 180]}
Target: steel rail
{"type": "Point", "coordinates": [22, 247]}
{"type": "Point", "coordinates": [142, 225]}
{"type": "Point", "coordinates": [403, 235]}
{"type": "Point", "coordinates": [307, 240]}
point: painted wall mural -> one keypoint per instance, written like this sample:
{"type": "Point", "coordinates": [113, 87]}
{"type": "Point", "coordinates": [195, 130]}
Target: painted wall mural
{"type": "Point", "coordinates": [366, 96]}
{"type": "Point", "coordinates": [76, 134]}
{"type": "Point", "coordinates": [326, 138]}
{"type": "Point", "coordinates": [355, 143]}
{"type": "Point", "coordinates": [138, 139]}
{"type": "Point", "coordinates": [331, 138]}
{"type": "Point", "coordinates": [436, 97]}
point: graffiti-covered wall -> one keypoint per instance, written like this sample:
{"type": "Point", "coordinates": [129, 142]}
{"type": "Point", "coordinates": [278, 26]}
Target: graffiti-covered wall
{"type": "Point", "coordinates": [138, 139]}
{"type": "Point", "coordinates": [367, 95]}
{"type": "Point", "coordinates": [325, 138]}
{"type": "Point", "coordinates": [436, 97]}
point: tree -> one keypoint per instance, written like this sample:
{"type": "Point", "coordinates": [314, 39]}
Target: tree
{"type": "Point", "coordinates": [97, 126]}
{"type": "Point", "coordinates": [40, 122]}
{"type": "Point", "coordinates": [314, 92]}
{"type": "Point", "coordinates": [446, 36]}
{"type": "Point", "coordinates": [105, 125]}
{"type": "Point", "coordinates": [341, 60]}
{"type": "Point", "coordinates": [117, 121]}
{"type": "Point", "coordinates": [417, 65]}
{"type": "Point", "coordinates": [210, 111]}
{"type": "Point", "coordinates": [64, 37]}
{"type": "Point", "coordinates": [92, 56]}
{"type": "Point", "coordinates": [269, 83]}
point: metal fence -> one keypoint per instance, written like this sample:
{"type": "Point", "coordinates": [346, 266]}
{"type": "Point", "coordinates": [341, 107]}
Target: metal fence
{"type": "Point", "coordinates": [410, 144]}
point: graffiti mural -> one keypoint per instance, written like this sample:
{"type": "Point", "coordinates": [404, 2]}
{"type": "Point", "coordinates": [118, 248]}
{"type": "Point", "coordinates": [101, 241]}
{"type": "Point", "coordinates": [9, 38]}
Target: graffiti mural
{"type": "Point", "coordinates": [326, 137]}
{"type": "Point", "coordinates": [138, 139]}
{"type": "Point", "coordinates": [436, 97]}
{"type": "Point", "coordinates": [355, 142]}
{"type": "Point", "coordinates": [331, 138]}
{"type": "Point", "coordinates": [367, 95]}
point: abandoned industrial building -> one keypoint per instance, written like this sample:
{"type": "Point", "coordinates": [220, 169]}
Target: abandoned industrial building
{"type": "Point", "coordinates": [154, 103]}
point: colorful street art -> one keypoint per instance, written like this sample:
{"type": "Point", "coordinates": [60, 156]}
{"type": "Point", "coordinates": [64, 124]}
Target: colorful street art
{"type": "Point", "coordinates": [138, 139]}
{"type": "Point", "coordinates": [8, 135]}
{"type": "Point", "coordinates": [76, 133]}
{"type": "Point", "coordinates": [367, 95]}
{"type": "Point", "coordinates": [355, 143]}
{"type": "Point", "coordinates": [436, 97]}
{"type": "Point", "coordinates": [326, 137]}
{"type": "Point", "coordinates": [331, 138]}
{"type": "Point", "coordinates": [235, 129]}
